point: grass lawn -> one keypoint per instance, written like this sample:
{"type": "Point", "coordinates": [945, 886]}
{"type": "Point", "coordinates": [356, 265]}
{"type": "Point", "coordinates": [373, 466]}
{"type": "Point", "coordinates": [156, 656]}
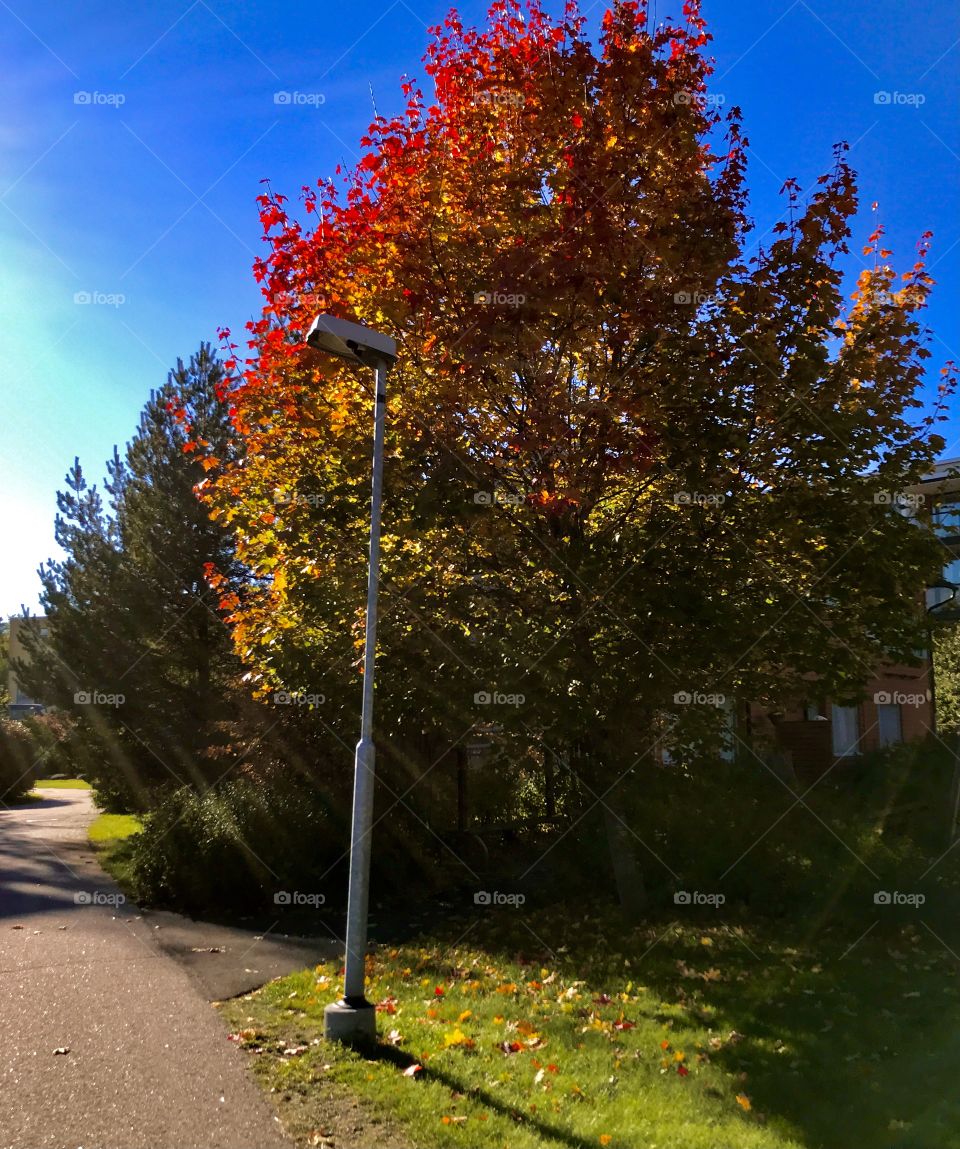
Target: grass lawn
{"type": "Point", "coordinates": [110, 835]}
{"type": "Point", "coordinates": [61, 784]}
{"type": "Point", "coordinates": [546, 1030]}
{"type": "Point", "coordinates": [113, 827]}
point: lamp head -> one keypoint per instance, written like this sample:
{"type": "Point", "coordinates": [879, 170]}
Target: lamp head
{"type": "Point", "coordinates": [351, 341]}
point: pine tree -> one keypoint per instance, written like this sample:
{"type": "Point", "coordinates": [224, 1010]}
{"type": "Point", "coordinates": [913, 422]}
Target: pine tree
{"type": "Point", "coordinates": [136, 649]}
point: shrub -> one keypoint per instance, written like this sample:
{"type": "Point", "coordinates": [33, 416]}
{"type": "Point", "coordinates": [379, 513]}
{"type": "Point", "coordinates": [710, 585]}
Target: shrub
{"type": "Point", "coordinates": [54, 736]}
{"type": "Point", "coordinates": [17, 760]}
{"type": "Point", "coordinates": [233, 847]}
{"type": "Point", "coordinates": [732, 828]}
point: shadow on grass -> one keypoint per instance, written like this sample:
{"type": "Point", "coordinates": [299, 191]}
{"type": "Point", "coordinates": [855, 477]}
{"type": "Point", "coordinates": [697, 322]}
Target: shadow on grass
{"type": "Point", "coordinates": [839, 1026]}
{"type": "Point", "coordinates": [401, 1060]}
{"type": "Point", "coordinates": [843, 1039]}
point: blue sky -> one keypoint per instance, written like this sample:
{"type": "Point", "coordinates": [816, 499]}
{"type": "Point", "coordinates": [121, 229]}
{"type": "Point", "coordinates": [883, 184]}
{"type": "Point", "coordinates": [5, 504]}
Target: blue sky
{"type": "Point", "coordinates": [133, 140]}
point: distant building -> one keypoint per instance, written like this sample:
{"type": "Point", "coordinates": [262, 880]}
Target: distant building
{"type": "Point", "coordinates": [940, 491]}
{"type": "Point", "coordinates": [21, 704]}
{"type": "Point", "coordinates": [813, 734]}
{"type": "Point", "coordinates": [898, 703]}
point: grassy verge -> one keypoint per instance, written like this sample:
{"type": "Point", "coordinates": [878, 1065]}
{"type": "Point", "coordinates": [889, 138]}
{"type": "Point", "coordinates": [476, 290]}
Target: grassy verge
{"type": "Point", "coordinates": [545, 1031]}
{"type": "Point", "coordinates": [111, 837]}
{"type": "Point", "coordinates": [34, 795]}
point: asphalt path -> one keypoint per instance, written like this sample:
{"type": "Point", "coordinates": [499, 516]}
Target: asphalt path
{"type": "Point", "coordinates": [108, 1039]}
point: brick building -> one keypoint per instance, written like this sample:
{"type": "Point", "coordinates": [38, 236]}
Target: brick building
{"type": "Point", "coordinates": [898, 704]}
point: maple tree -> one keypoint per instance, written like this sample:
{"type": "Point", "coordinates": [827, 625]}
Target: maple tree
{"type": "Point", "coordinates": [634, 452]}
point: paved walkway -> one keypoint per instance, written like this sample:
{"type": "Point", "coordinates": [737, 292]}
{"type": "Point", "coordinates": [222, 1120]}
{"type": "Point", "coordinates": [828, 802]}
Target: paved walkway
{"type": "Point", "coordinates": [149, 1066]}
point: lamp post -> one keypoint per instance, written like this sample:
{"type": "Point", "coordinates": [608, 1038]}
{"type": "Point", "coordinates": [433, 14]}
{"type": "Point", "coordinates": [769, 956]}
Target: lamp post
{"type": "Point", "coordinates": [353, 1018]}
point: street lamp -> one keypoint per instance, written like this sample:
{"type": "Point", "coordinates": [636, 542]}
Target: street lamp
{"type": "Point", "coordinates": [353, 1018]}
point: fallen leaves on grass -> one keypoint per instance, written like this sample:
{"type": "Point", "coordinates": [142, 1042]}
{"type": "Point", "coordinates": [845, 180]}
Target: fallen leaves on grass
{"type": "Point", "coordinates": [744, 1102]}
{"type": "Point", "coordinates": [248, 1039]}
{"type": "Point", "coordinates": [412, 1070]}
{"type": "Point", "coordinates": [704, 975]}
{"type": "Point", "coordinates": [732, 1038]}
{"type": "Point", "coordinates": [459, 1038]}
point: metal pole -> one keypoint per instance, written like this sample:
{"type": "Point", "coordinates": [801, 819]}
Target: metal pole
{"type": "Point", "coordinates": [354, 1017]}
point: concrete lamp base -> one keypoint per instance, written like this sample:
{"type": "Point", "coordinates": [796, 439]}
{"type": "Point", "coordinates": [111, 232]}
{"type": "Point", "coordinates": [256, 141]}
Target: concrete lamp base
{"type": "Point", "coordinates": [350, 1024]}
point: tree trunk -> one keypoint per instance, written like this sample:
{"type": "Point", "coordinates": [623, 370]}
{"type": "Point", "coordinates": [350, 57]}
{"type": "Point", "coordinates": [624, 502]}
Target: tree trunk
{"type": "Point", "coordinates": [955, 792]}
{"type": "Point", "coordinates": [462, 817]}
{"type": "Point", "coordinates": [549, 785]}
{"type": "Point", "coordinates": [627, 876]}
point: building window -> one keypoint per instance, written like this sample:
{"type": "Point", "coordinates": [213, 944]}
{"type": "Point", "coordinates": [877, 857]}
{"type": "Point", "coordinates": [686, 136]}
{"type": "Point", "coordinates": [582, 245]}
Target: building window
{"type": "Point", "coordinates": [946, 519]}
{"type": "Point", "coordinates": [846, 731]}
{"type": "Point", "coordinates": [889, 726]}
